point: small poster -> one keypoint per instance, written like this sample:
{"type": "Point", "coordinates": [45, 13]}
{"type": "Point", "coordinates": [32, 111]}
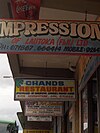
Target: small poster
{"type": "Point", "coordinates": [25, 9]}
{"type": "Point", "coordinates": [43, 108]}
{"type": "Point", "coordinates": [39, 118]}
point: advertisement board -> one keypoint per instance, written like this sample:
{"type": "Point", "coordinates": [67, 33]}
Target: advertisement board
{"type": "Point", "coordinates": [39, 118]}
{"type": "Point", "coordinates": [25, 9]}
{"type": "Point", "coordinates": [44, 89]}
{"type": "Point", "coordinates": [49, 37]}
{"type": "Point", "coordinates": [43, 108]}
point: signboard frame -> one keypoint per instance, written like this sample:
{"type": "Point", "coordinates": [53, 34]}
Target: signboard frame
{"type": "Point", "coordinates": [39, 118]}
{"type": "Point", "coordinates": [63, 92]}
{"type": "Point", "coordinates": [43, 108]}
{"type": "Point", "coordinates": [50, 37]}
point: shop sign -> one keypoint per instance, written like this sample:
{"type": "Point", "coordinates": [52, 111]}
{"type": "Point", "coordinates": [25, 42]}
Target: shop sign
{"type": "Point", "coordinates": [39, 118]}
{"type": "Point", "coordinates": [43, 108]}
{"type": "Point", "coordinates": [25, 9]}
{"type": "Point", "coordinates": [44, 89]}
{"type": "Point", "coordinates": [49, 37]}
{"type": "Point", "coordinates": [37, 131]}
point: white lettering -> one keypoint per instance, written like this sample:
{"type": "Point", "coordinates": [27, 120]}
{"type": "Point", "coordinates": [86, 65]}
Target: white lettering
{"type": "Point", "coordinates": [95, 31]}
{"type": "Point", "coordinates": [6, 29]}
{"type": "Point", "coordinates": [30, 28]}
{"type": "Point", "coordinates": [42, 28]}
{"type": "Point", "coordinates": [18, 27]}
{"type": "Point", "coordinates": [53, 28]}
{"type": "Point", "coordinates": [73, 32]}
{"type": "Point", "coordinates": [64, 29]}
{"type": "Point", "coordinates": [83, 30]}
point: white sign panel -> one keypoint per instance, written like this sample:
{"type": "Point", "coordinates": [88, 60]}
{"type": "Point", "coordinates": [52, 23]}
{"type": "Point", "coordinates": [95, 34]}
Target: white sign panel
{"type": "Point", "coordinates": [43, 108]}
{"type": "Point", "coordinates": [39, 118]}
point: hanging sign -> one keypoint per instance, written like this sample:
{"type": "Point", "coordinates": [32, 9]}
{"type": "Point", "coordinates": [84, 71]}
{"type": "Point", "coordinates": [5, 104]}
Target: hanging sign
{"type": "Point", "coordinates": [43, 108]}
{"type": "Point", "coordinates": [39, 118]}
{"type": "Point", "coordinates": [25, 9]}
{"type": "Point", "coordinates": [49, 37]}
{"type": "Point", "coordinates": [44, 89]}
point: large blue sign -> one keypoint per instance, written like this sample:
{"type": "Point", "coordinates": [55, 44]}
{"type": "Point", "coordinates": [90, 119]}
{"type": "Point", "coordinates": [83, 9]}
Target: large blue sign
{"type": "Point", "coordinates": [49, 37]}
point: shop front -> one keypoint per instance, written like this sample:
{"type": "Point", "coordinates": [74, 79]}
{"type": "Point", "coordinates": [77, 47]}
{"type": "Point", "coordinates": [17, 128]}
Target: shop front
{"type": "Point", "coordinates": [89, 95]}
